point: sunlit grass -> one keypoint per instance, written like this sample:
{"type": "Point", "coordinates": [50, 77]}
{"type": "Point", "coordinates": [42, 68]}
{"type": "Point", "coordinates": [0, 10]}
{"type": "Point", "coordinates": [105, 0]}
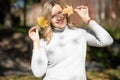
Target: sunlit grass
{"type": "Point", "coordinates": [110, 74]}
{"type": "Point", "coordinates": [27, 77]}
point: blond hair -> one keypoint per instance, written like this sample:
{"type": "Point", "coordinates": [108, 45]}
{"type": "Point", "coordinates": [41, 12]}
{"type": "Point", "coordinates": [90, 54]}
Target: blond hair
{"type": "Point", "coordinates": [47, 8]}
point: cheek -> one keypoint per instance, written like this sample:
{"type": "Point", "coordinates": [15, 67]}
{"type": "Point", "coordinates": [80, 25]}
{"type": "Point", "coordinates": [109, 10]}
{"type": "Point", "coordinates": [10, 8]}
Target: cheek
{"type": "Point", "coordinates": [53, 21]}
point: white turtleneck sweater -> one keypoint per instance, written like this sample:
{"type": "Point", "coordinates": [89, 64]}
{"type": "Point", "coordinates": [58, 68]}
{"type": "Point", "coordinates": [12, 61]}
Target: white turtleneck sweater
{"type": "Point", "coordinates": [64, 57]}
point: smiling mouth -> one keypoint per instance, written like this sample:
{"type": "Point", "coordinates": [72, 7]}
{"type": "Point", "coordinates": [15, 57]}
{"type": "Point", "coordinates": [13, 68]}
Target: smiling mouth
{"type": "Point", "coordinates": [60, 22]}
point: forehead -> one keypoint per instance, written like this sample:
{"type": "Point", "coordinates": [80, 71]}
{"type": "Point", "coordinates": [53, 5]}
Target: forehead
{"type": "Point", "coordinates": [56, 8]}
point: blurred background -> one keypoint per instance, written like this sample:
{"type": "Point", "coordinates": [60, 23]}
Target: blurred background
{"type": "Point", "coordinates": [16, 18]}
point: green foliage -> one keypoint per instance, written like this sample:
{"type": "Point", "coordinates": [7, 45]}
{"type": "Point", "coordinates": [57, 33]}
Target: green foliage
{"type": "Point", "coordinates": [114, 30]}
{"type": "Point", "coordinates": [12, 1]}
{"type": "Point", "coordinates": [107, 57]}
{"type": "Point", "coordinates": [100, 56]}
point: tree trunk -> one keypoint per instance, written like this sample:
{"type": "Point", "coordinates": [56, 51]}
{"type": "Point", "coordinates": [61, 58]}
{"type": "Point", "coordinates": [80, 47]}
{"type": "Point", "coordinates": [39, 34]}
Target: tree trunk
{"type": "Point", "coordinates": [24, 13]}
{"type": "Point", "coordinates": [7, 21]}
{"type": "Point", "coordinates": [7, 14]}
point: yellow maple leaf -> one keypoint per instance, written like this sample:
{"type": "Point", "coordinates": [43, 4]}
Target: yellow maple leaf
{"type": "Point", "coordinates": [68, 10]}
{"type": "Point", "coordinates": [42, 22]}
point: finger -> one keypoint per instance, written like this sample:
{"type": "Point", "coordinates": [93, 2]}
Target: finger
{"type": "Point", "coordinates": [76, 10]}
{"type": "Point", "coordinates": [85, 7]}
{"type": "Point", "coordinates": [81, 7]}
{"type": "Point", "coordinates": [32, 29]}
{"type": "Point", "coordinates": [37, 31]}
{"type": "Point", "coordinates": [78, 7]}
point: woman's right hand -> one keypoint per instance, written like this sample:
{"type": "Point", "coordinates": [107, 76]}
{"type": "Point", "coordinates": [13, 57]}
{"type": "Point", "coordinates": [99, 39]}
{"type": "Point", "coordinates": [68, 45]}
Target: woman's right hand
{"type": "Point", "coordinates": [34, 35]}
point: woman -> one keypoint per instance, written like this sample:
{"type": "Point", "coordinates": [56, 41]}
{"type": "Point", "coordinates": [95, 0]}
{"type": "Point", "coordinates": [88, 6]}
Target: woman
{"type": "Point", "coordinates": [60, 54]}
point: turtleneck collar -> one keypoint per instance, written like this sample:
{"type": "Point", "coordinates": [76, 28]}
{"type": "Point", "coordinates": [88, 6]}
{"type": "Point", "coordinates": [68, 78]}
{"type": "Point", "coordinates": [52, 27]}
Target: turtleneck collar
{"type": "Point", "coordinates": [59, 30]}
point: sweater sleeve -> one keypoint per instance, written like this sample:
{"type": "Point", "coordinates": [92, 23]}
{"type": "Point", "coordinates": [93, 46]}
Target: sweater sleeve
{"type": "Point", "coordinates": [98, 36]}
{"type": "Point", "coordinates": [39, 61]}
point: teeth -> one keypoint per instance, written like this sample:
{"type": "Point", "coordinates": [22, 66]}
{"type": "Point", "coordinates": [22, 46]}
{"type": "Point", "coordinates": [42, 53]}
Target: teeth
{"type": "Point", "coordinates": [60, 22]}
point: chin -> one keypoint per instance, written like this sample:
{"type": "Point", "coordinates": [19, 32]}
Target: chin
{"type": "Point", "coordinates": [59, 25]}
{"type": "Point", "coordinates": [62, 26]}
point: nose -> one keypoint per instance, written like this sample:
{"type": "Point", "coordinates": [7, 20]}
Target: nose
{"type": "Point", "coordinates": [60, 16]}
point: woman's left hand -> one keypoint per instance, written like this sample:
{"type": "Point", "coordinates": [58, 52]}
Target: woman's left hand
{"type": "Point", "coordinates": [83, 13]}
